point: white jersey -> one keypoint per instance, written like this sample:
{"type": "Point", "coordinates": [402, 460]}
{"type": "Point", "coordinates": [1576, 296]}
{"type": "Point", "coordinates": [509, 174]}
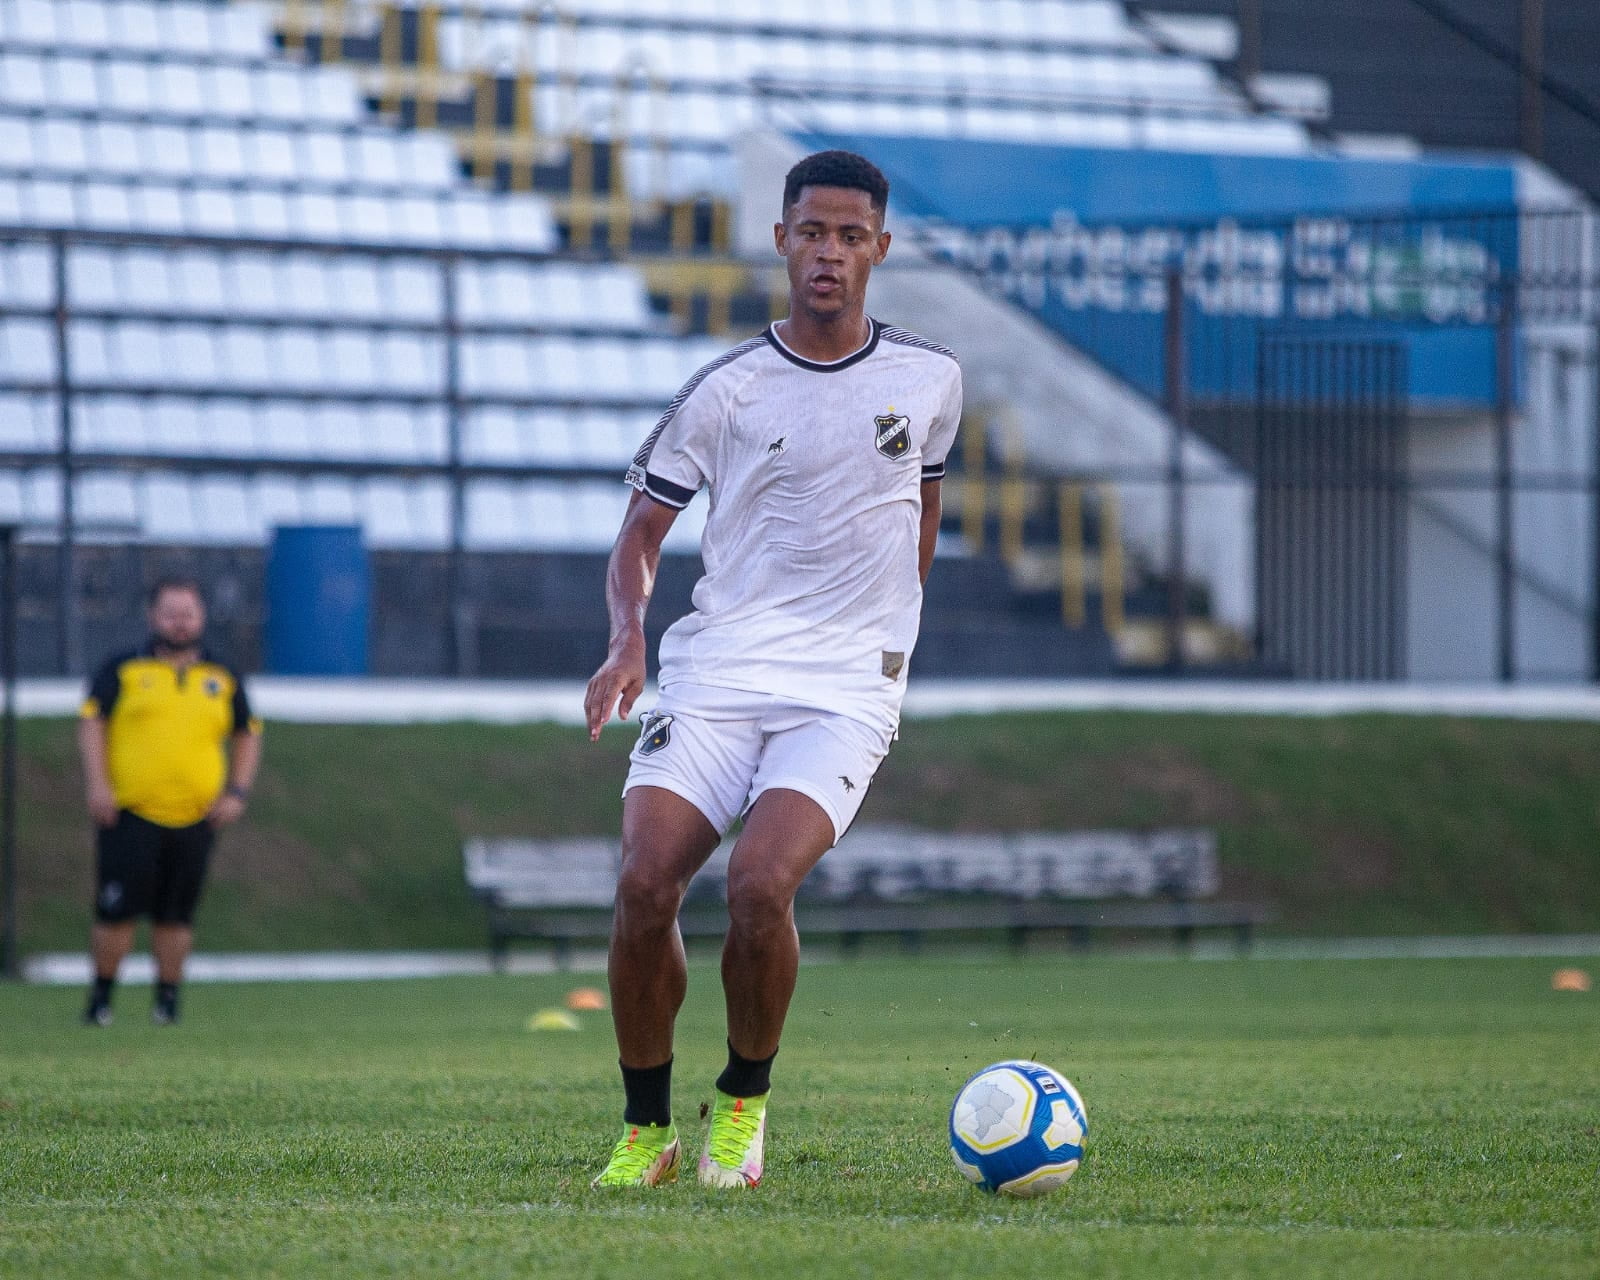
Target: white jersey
{"type": "Point", "coordinates": [811, 591]}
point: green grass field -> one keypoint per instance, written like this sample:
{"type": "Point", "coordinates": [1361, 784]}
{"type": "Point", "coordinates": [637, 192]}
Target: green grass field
{"type": "Point", "coordinates": [1248, 1118]}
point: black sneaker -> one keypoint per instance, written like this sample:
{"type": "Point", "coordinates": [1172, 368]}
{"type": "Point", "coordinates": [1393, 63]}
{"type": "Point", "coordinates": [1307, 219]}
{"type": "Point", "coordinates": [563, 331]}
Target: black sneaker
{"type": "Point", "coordinates": [98, 1014]}
{"type": "Point", "coordinates": [164, 1011]}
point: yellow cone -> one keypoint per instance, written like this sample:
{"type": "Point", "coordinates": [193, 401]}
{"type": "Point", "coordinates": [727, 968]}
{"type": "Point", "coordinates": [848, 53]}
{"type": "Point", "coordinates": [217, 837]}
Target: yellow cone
{"type": "Point", "coordinates": [1569, 980]}
{"type": "Point", "coordinates": [552, 1020]}
{"type": "Point", "coordinates": [585, 999]}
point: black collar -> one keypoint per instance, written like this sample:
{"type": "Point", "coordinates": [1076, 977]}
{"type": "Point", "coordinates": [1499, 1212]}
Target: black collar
{"type": "Point", "coordinates": [855, 357]}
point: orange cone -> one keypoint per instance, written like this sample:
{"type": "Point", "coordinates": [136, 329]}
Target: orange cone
{"type": "Point", "coordinates": [1569, 980]}
{"type": "Point", "coordinates": [585, 999]}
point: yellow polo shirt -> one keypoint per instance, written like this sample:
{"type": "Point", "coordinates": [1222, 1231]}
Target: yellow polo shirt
{"type": "Point", "coordinates": [167, 732]}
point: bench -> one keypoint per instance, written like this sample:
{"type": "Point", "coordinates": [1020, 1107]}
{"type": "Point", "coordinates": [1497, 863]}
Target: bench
{"type": "Point", "coordinates": [888, 880]}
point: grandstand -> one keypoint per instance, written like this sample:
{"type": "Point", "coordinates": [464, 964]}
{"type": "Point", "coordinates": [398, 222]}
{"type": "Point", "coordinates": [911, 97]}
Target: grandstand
{"type": "Point", "coordinates": [431, 269]}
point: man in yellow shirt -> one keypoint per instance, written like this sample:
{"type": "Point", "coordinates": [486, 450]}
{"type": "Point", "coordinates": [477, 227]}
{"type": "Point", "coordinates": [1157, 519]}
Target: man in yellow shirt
{"type": "Point", "coordinates": [170, 751]}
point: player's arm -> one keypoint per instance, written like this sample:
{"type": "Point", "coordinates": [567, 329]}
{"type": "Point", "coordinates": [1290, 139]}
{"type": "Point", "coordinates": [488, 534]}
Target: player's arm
{"type": "Point", "coordinates": [928, 538]}
{"type": "Point", "coordinates": [244, 759]}
{"type": "Point", "coordinates": [101, 799]}
{"type": "Point", "coordinates": [630, 578]}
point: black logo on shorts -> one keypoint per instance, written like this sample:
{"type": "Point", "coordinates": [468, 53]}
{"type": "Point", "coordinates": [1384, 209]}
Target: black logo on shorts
{"type": "Point", "coordinates": [655, 733]}
{"type": "Point", "coordinates": [777, 447]}
{"type": "Point", "coordinates": [894, 433]}
{"type": "Point", "coordinates": [848, 785]}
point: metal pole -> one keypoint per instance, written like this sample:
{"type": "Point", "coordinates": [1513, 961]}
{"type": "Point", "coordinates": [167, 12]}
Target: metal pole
{"type": "Point", "coordinates": [1177, 411]}
{"type": "Point", "coordinates": [1594, 508]}
{"type": "Point", "coordinates": [1531, 113]}
{"type": "Point", "coordinates": [67, 655]}
{"type": "Point", "coordinates": [458, 649]}
{"type": "Point", "coordinates": [1249, 18]}
{"type": "Point", "coordinates": [1506, 570]}
{"type": "Point", "coordinates": [9, 966]}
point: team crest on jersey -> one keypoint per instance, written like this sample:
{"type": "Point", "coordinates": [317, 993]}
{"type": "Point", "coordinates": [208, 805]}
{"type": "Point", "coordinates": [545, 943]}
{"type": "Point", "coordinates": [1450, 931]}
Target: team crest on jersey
{"type": "Point", "coordinates": [654, 733]}
{"type": "Point", "coordinates": [894, 433]}
{"type": "Point", "coordinates": [213, 688]}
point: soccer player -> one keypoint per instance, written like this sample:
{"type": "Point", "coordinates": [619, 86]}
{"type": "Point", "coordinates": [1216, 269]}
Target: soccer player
{"type": "Point", "coordinates": [822, 443]}
{"type": "Point", "coordinates": [154, 736]}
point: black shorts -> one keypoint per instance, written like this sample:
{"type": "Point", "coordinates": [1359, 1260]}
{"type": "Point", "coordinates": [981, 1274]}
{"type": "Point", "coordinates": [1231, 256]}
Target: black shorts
{"type": "Point", "coordinates": [146, 869]}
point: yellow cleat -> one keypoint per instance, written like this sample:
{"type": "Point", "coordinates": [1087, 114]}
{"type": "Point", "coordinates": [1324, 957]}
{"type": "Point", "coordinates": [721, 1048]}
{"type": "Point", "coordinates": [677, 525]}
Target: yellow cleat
{"type": "Point", "coordinates": [645, 1156]}
{"type": "Point", "coordinates": [735, 1143]}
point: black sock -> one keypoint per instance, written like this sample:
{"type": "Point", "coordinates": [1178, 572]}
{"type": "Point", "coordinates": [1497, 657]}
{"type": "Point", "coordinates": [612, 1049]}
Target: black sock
{"type": "Point", "coordinates": [101, 992]}
{"type": "Point", "coordinates": [167, 994]}
{"type": "Point", "coordinates": [746, 1077]}
{"type": "Point", "coordinates": [649, 1094]}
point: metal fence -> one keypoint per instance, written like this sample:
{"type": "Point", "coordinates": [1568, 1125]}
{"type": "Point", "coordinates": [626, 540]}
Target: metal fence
{"type": "Point", "coordinates": [1413, 399]}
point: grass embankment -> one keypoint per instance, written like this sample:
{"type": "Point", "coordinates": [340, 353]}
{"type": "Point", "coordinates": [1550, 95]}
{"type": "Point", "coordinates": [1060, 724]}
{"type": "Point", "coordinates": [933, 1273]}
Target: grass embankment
{"type": "Point", "coordinates": [1362, 824]}
{"type": "Point", "coordinates": [1418, 1119]}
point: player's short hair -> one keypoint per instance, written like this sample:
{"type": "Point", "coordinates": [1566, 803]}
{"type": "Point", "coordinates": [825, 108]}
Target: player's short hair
{"type": "Point", "coordinates": [837, 169]}
{"type": "Point", "coordinates": [174, 582]}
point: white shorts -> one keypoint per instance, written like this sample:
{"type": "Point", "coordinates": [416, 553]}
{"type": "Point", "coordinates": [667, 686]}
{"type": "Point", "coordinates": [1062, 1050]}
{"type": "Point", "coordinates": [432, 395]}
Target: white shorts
{"type": "Point", "coordinates": [721, 748]}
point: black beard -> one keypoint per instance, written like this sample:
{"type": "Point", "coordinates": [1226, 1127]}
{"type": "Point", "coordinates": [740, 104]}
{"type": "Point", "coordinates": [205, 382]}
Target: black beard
{"type": "Point", "coordinates": [161, 643]}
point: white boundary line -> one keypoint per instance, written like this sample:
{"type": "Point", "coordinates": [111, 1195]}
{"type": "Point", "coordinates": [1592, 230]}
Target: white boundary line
{"type": "Point", "coordinates": [373, 701]}
{"type": "Point", "coordinates": [72, 968]}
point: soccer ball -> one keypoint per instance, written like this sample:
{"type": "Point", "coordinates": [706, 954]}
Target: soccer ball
{"type": "Point", "coordinates": [1018, 1128]}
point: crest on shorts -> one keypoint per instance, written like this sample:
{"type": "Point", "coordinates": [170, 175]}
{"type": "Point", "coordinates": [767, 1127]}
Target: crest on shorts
{"type": "Point", "coordinates": [894, 433]}
{"type": "Point", "coordinates": [655, 732]}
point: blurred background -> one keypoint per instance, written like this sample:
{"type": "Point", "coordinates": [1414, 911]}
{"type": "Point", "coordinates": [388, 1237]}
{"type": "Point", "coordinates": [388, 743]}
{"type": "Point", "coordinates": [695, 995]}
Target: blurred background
{"type": "Point", "coordinates": [1278, 321]}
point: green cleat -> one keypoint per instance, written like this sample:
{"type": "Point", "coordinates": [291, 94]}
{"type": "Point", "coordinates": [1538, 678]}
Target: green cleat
{"type": "Point", "coordinates": [645, 1156]}
{"type": "Point", "coordinates": [735, 1142]}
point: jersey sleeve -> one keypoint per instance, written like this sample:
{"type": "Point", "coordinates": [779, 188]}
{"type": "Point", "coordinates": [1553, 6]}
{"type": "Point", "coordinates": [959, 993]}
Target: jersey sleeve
{"type": "Point", "coordinates": [244, 720]}
{"type": "Point", "coordinates": [680, 454]}
{"type": "Point", "coordinates": [942, 434]}
{"type": "Point", "coordinates": [104, 686]}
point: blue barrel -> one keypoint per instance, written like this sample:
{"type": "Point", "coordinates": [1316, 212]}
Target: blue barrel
{"type": "Point", "coordinates": [319, 601]}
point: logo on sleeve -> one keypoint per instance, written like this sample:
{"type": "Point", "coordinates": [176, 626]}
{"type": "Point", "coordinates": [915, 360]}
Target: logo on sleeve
{"type": "Point", "coordinates": [894, 433]}
{"type": "Point", "coordinates": [654, 733]}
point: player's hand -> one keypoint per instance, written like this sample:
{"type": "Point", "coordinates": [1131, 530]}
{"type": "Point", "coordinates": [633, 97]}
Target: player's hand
{"type": "Point", "coordinates": [620, 677]}
{"type": "Point", "coordinates": [102, 804]}
{"type": "Point", "coordinates": [228, 809]}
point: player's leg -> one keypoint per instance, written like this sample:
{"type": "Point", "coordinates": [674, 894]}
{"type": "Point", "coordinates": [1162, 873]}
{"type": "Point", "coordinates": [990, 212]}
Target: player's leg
{"type": "Point", "coordinates": [784, 837]}
{"type": "Point", "coordinates": [665, 840]}
{"type": "Point", "coordinates": [813, 775]}
{"type": "Point", "coordinates": [785, 834]}
{"type": "Point", "coordinates": [181, 872]}
{"type": "Point", "coordinates": [687, 780]}
{"type": "Point", "coordinates": [124, 861]}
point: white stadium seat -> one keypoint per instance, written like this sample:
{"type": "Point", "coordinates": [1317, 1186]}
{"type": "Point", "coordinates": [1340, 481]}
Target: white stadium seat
{"type": "Point", "coordinates": [27, 350]}
{"type": "Point", "coordinates": [28, 424]}
{"type": "Point", "coordinates": [106, 501]}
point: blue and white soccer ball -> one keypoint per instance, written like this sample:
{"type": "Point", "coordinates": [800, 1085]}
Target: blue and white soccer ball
{"type": "Point", "coordinates": [1018, 1128]}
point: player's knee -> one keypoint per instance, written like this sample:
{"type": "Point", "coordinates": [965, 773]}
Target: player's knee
{"type": "Point", "coordinates": [646, 898]}
{"type": "Point", "coordinates": [759, 904]}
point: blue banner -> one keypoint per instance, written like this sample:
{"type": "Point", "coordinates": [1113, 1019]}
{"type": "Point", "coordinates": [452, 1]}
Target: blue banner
{"type": "Point", "coordinates": [1086, 239]}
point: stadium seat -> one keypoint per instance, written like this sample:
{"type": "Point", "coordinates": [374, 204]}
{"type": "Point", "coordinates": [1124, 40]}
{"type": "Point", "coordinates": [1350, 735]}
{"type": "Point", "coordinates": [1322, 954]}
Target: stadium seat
{"type": "Point", "coordinates": [28, 424]}
{"type": "Point", "coordinates": [27, 350]}
{"type": "Point", "coordinates": [330, 500]}
{"type": "Point", "coordinates": [107, 502]}
{"type": "Point", "coordinates": [277, 502]}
